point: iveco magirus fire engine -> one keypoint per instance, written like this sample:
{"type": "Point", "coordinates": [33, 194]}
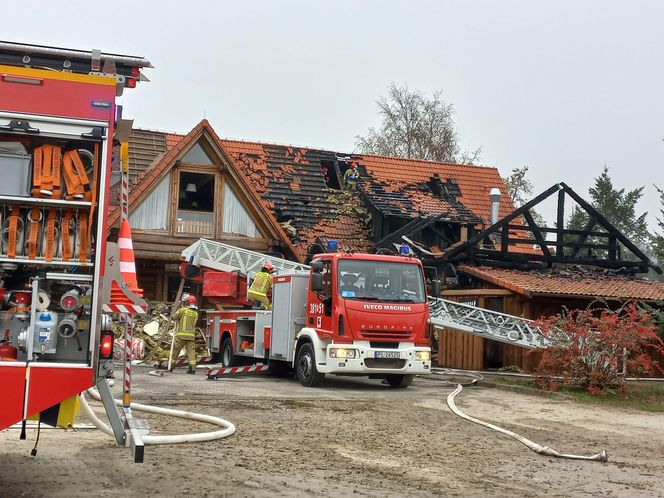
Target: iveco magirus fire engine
{"type": "Point", "coordinates": [346, 314]}
{"type": "Point", "coordinates": [58, 123]}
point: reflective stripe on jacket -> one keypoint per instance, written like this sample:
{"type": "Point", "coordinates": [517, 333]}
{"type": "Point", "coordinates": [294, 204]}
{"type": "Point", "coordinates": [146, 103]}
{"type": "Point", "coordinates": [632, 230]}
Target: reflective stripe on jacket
{"type": "Point", "coordinates": [261, 284]}
{"type": "Point", "coordinates": [188, 318]}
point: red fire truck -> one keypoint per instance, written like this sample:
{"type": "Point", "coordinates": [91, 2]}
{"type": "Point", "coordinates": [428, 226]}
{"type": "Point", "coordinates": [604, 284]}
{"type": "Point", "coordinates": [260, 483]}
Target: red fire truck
{"type": "Point", "coordinates": [346, 314]}
{"type": "Point", "coordinates": [58, 125]}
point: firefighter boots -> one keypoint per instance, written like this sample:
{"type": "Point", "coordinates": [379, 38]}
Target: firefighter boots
{"type": "Point", "coordinates": [192, 370]}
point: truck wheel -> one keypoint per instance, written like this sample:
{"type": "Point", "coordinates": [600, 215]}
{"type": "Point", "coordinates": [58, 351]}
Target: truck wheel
{"type": "Point", "coordinates": [396, 381]}
{"type": "Point", "coordinates": [228, 358]}
{"type": "Point", "coordinates": [305, 367]}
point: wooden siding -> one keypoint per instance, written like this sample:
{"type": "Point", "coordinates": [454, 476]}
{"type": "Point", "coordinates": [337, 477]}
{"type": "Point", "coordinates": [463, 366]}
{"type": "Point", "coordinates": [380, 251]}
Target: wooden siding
{"type": "Point", "coordinates": [460, 350]}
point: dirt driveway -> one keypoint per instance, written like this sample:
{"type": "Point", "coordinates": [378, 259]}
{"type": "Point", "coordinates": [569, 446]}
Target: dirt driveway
{"type": "Point", "coordinates": [351, 437]}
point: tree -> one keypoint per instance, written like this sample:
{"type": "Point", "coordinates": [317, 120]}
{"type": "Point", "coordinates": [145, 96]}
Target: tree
{"type": "Point", "coordinates": [617, 206]}
{"type": "Point", "coordinates": [415, 126]}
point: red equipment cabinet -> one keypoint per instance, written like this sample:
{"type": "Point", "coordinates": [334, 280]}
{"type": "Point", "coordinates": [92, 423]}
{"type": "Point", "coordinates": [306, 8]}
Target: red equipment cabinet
{"type": "Point", "coordinates": [56, 134]}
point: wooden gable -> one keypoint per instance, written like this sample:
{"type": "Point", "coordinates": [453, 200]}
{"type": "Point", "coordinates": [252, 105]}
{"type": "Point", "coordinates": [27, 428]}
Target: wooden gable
{"type": "Point", "coordinates": [197, 193]}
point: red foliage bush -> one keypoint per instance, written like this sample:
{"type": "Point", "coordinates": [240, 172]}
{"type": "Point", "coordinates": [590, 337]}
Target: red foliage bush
{"type": "Point", "coordinates": [593, 351]}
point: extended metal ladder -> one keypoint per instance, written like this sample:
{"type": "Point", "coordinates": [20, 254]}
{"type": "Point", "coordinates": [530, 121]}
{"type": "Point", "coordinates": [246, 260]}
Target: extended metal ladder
{"type": "Point", "coordinates": [224, 257]}
{"type": "Point", "coordinates": [490, 324]}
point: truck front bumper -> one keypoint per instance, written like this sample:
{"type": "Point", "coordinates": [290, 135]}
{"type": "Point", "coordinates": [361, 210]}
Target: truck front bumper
{"type": "Point", "coordinates": [365, 360]}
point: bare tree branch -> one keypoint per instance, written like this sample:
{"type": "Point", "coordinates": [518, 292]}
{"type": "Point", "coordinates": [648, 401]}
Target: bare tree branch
{"type": "Point", "coordinates": [415, 126]}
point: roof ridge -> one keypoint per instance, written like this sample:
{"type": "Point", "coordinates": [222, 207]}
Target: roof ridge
{"type": "Point", "coordinates": [300, 146]}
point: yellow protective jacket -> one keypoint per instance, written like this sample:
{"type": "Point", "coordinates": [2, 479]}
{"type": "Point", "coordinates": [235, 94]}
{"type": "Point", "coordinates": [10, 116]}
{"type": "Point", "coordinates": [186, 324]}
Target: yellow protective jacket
{"type": "Point", "coordinates": [261, 284]}
{"type": "Point", "coordinates": [187, 319]}
{"type": "Point", "coordinates": [351, 176]}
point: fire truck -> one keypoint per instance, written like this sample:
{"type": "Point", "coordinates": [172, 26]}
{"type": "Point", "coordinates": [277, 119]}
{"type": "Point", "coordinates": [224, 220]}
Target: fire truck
{"type": "Point", "coordinates": [59, 123]}
{"type": "Point", "coordinates": [345, 314]}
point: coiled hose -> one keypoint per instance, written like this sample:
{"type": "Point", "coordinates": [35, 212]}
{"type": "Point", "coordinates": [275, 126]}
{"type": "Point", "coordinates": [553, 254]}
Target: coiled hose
{"type": "Point", "coordinates": [228, 428]}
{"type": "Point", "coordinates": [602, 456]}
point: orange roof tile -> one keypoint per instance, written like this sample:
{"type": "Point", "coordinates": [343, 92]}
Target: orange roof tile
{"type": "Point", "coordinates": [569, 283]}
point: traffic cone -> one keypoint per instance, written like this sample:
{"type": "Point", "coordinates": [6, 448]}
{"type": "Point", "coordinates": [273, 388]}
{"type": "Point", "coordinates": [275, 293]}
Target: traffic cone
{"type": "Point", "coordinates": [127, 267]}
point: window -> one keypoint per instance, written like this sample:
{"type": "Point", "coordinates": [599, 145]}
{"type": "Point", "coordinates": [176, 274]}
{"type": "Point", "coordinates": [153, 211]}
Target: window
{"type": "Point", "coordinates": [151, 214]}
{"type": "Point", "coordinates": [236, 218]}
{"type": "Point", "coordinates": [196, 202]}
{"type": "Point", "coordinates": [196, 155]}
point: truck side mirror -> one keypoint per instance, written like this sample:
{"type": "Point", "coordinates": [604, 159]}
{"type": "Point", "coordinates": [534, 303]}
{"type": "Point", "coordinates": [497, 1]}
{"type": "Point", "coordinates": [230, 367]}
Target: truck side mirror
{"type": "Point", "coordinates": [435, 288]}
{"type": "Point", "coordinates": [316, 282]}
{"type": "Point", "coordinates": [317, 266]}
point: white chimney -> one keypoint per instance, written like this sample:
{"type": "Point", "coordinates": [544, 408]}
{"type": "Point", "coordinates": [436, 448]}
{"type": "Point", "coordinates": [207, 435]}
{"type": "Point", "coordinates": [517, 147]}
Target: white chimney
{"type": "Point", "coordinates": [495, 204]}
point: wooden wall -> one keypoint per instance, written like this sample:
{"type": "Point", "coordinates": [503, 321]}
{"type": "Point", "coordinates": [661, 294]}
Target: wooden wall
{"type": "Point", "coordinates": [460, 350]}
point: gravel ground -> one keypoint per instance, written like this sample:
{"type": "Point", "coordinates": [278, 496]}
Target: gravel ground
{"type": "Point", "coordinates": [351, 437]}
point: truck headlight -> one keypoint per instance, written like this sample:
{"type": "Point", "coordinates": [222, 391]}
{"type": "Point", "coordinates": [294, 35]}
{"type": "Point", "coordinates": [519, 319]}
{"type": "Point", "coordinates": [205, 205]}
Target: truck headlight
{"type": "Point", "coordinates": [342, 353]}
{"type": "Point", "coordinates": [422, 355]}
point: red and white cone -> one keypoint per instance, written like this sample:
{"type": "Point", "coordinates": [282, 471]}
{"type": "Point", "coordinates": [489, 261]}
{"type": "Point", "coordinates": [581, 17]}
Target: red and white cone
{"type": "Point", "coordinates": [119, 302]}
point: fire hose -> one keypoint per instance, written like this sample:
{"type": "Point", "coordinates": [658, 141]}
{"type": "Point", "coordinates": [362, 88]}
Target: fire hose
{"type": "Point", "coordinates": [228, 429]}
{"type": "Point", "coordinates": [602, 456]}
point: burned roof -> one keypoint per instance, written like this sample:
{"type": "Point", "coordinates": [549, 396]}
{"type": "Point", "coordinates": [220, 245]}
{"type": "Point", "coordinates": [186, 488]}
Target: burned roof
{"type": "Point", "coordinates": [300, 187]}
{"type": "Point", "coordinates": [417, 187]}
{"type": "Point", "coordinates": [290, 182]}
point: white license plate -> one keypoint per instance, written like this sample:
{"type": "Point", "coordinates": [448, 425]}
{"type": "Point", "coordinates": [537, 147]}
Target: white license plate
{"type": "Point", "coordinates": [387, 354]}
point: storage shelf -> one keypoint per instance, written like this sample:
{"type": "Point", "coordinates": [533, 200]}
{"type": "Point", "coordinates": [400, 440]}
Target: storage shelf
{"type": "Point", "coordinates": [41, 261]}
{"type": "Point", "coordinates": [44, 201]}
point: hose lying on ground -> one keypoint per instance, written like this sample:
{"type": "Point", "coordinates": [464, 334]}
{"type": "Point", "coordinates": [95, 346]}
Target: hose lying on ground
{"type": "Point", "coordinates": [602, 456]}
{"type": "Point", "coordinates": [228, 427]}
{"type": "Point", "coordinates": [450, 376]}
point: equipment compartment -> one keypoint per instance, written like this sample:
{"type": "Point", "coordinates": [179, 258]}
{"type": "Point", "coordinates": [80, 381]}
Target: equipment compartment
{"type": "Point", "coordinates": [15, 171]}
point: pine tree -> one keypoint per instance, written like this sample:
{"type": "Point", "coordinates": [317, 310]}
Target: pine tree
{"type": "Point", "coordinates": [619, 207]}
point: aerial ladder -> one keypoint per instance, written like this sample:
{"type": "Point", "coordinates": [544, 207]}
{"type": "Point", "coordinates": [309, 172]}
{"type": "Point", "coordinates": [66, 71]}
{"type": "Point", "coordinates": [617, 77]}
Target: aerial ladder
{"type": "Point", "coordinates": [223, 257]}
{"type": "Point", "coordinates": [500, 327]}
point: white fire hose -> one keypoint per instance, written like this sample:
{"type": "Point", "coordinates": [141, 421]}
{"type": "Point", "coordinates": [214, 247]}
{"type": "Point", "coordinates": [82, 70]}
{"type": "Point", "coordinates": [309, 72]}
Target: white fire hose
{"type": "Point", "coordinates": [227, 427]}
{"type": "Point", "coordinates": [602, 456]}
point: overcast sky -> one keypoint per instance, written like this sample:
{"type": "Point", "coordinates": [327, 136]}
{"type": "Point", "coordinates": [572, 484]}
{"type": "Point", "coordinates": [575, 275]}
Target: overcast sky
{"type": "Point", "coordinates": [563, 87]}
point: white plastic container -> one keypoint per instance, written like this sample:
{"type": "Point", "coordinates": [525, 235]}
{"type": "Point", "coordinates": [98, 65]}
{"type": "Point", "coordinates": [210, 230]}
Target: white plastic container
{"type": "Point", "coordinates": [46, 337]}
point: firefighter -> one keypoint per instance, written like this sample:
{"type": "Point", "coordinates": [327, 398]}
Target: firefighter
{"type": "Point", "coordinates": [351, 176]}
{"type": "Point", "coordinates": [261, 285]}
{"type": "Point", "coordinates": [185, 333]}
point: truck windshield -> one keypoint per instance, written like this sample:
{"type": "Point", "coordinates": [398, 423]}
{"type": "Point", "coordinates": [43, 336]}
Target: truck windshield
{"type": "Point", "coordinates": [381, 281]}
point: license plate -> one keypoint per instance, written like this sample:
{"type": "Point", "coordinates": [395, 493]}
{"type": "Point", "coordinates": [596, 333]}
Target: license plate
{"type": "Point", "coordinates": [387, 354]}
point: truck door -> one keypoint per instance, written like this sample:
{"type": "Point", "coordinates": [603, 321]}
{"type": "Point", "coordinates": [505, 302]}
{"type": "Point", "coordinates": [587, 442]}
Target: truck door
{"type": "Point", "coordinates": [320, 305]}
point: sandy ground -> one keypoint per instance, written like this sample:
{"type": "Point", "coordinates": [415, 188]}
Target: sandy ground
{"type": "Point", "coordinates": [352, 437]}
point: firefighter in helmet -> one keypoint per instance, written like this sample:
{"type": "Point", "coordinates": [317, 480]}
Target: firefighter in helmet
{"type": "Point", "coordinates": [261, 285]}
{"type": "Point", "coordinates": [351, 176]}
{"type": "Point", "coordinates": [185, 333]}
